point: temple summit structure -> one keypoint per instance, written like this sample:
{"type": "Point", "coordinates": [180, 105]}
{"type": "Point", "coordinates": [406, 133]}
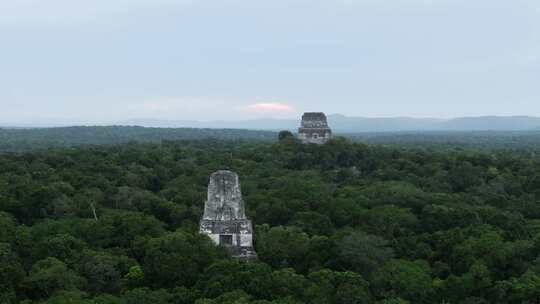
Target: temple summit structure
{"type": "Point", "coordinates": [224, 219]}
{"type": "Point", "coordinates": [314, 129]}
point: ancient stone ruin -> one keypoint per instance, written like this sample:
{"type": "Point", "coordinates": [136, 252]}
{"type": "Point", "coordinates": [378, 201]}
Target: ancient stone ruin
{"type": "Point", "coordinates": [314, 129]}
{"type": "Point", "coordinates": [224, 219]}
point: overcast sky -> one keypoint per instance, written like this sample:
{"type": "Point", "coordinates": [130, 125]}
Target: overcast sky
{"type": "Point", "coordinates": [109, 60]}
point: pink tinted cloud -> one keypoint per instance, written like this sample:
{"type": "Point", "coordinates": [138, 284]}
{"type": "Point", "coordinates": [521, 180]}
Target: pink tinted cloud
{"type": "Point", "coordinates": [271, 107]}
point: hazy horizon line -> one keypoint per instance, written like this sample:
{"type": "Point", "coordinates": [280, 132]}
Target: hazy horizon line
{"type": "Point", "coordinates": [120, 120]}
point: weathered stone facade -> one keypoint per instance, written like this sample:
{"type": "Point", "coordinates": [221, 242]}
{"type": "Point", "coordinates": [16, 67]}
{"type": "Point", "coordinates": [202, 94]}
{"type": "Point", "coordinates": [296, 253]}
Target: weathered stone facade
{"type": "Point", "coordinates": [314, 129]}
{"type": "Point", "coordinates": [224, 219]}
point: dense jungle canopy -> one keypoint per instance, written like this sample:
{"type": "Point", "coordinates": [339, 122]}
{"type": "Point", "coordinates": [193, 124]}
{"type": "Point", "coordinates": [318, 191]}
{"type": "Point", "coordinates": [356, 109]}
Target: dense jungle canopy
{"type": "Point", "coordinates": [341, 223]}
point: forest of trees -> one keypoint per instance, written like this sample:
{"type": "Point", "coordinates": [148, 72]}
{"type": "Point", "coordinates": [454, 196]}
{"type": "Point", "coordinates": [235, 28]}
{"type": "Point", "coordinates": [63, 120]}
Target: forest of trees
{"type": "Point", "coordinates": [23, 140]}
{"type": "Point", "coordinates": [341, 223]}
{"type": "Point", "coordinates": [509, 140]}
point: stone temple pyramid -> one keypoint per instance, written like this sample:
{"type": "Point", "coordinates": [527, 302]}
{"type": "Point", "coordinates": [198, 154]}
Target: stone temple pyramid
{"type": "Point", "coordinates": [224, 219]}
{"type": "Point", "coordinates": [314, 128]}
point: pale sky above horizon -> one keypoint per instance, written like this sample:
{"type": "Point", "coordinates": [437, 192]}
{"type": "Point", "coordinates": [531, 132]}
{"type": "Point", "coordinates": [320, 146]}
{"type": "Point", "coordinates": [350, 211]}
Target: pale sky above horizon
{"type": "Point", "coordinates": [111, 60]}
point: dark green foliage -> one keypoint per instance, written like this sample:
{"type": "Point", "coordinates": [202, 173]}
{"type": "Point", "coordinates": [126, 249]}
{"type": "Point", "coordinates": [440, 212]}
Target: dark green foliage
{"type": "Point", "coordinates": [362, 252]}
{"type": "Point", "coordinates": [337, 287]}
{"type": "Point", "coordinates": [11, 273]}
{"type": "Point", "coordinates": [253, 278]}
{"type": "Point", "coordinates": [177, 258]}
{"type": "Point", "coordinates": [285, 135]}
{"type": "Point", "coordinates": [409, 280]}
{"type": "Point", "coordinates": [454, 140]}
{"type": "Point", "coordinates": [339, 223]}
{"type": "Point", "coordinates": [282, 247]}
{"type": "Point", "coordinates": [49, 276]}
{"type": "Point", "coordinates": [29, 139]}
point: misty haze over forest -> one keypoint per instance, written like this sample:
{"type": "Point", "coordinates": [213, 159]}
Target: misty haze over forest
{"type": "Point", "coordinates": [339, 123]}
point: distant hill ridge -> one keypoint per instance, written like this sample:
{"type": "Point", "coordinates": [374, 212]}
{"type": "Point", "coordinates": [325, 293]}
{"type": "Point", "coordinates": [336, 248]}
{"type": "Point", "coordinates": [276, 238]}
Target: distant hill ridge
{"type": "Point", "coordinates": [338, 122]}
{"type": "Point", "coordinates": [342, 123]}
